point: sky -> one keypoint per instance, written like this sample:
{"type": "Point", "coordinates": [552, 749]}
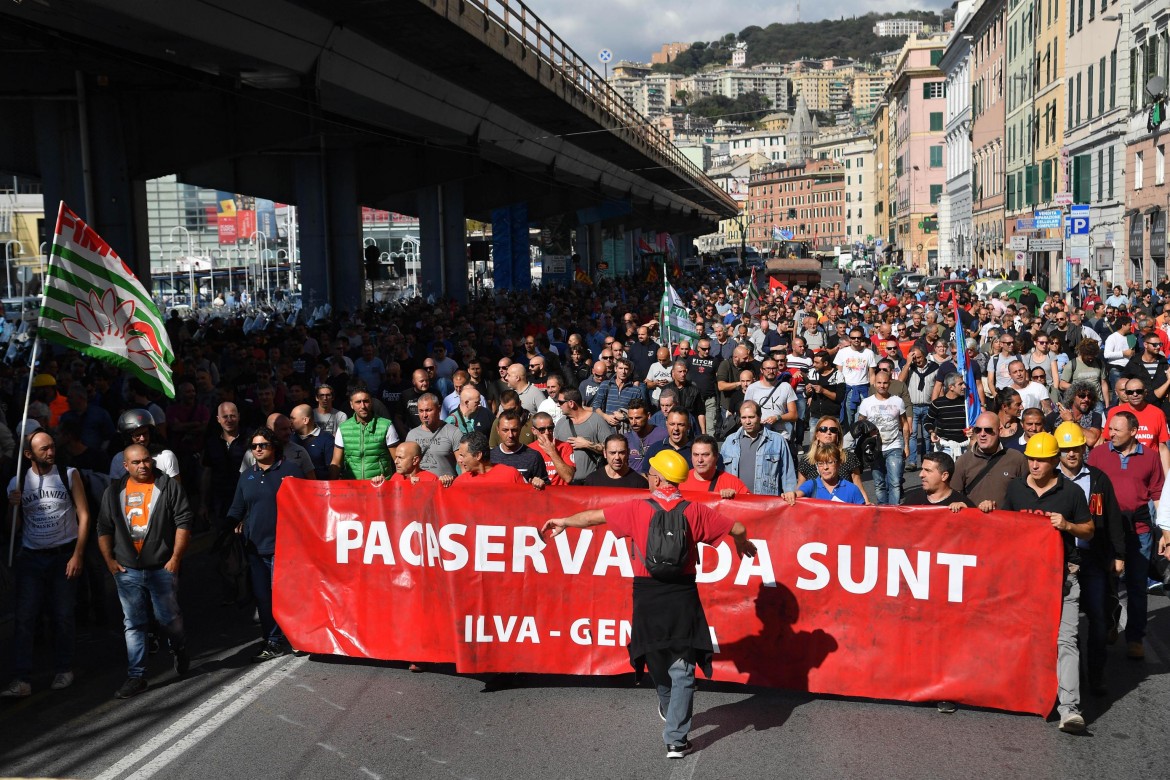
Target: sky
{"type": "Point", "coordinates": [632, 29]}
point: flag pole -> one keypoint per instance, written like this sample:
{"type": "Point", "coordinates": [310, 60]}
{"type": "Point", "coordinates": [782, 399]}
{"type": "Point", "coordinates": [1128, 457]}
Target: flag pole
{"type": "Point", "coordinates": [664, 315]}
{"type": "Point", "coordinates": [32, 366]}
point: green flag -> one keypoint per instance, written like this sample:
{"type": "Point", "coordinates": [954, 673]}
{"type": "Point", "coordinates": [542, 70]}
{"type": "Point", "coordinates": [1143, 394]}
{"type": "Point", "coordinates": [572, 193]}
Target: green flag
{"type": "Point", "coordinates": [675, 319]}
{"type": "Point", "coordinates": [94, 304]}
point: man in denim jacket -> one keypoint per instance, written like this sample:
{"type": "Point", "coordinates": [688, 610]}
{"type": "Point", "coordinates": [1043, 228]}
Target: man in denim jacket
{"type": "Point", "coordinates": [758, 456]}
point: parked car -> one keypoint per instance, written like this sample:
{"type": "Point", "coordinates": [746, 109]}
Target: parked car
{"type": "Point", "coordinates": [931, 284]}
{"type": "Point", "coordinates": [912, 282]}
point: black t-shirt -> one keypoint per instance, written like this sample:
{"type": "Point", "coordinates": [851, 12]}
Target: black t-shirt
{"type": "Point", "coordinates": [1065, 498]}
{"type": "Point", "coordinates": [642, 355]}
{"type": "Point", "coordinates": [526, 461]}
{"type": "Point", "coordinates": [917, 497]}
{"type": "Point", "coordinates": [408, 407]}
{"type": "Point", "coordinates": [631, 479]}
{"type": "Point", "coordinates": [392, 393]}
{"type": "Point", "coordinates": [701, 371]}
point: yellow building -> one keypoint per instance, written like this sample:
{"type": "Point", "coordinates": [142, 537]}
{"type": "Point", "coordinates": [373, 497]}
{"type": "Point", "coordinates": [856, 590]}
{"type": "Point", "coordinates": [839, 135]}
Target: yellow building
{"type": "Point", "coordinates": [882, 194]}
{"type": "Point", "coordinates": [22, 234]}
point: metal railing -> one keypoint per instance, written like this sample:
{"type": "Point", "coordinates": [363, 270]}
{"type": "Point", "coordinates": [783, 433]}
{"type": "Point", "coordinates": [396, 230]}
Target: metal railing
{"type": "Point", "coordinates": [520, 24]}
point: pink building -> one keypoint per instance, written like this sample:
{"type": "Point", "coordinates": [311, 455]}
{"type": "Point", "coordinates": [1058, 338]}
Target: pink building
{"type": "Point", "coordinates": [918, 109]}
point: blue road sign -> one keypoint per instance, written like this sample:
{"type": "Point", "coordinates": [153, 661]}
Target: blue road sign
{"type": "Point", "coordinates": [1078, 220]}
{"type": "Point", "coordinates": [1048, 219]}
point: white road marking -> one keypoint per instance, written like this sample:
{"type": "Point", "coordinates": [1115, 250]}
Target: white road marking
{"type": "Point", "coordinates": [331, 704]}
{"type": "Point", "coordinates": [183, 734]}
{"type": "Point", "coordinates": [686, 768]}
{"type": "Point", "coordinates": [369, 773]}
{"type": "Point", "coordinates": [287, 719]}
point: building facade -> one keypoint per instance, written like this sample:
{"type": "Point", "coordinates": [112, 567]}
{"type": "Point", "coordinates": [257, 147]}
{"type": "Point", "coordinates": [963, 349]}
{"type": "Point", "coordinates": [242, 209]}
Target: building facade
{"type": "Point", "coordinates": [1147, 195]}
{"type": "Point", "coordinates": [988, 111]}
{"type": "Point", "coordinates": [954, 208]}
{"type": "Point", "coordinates": [807, 199]}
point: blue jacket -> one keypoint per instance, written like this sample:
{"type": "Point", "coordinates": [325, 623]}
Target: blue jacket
{"type": "Point", "coordinates": [775, 470]}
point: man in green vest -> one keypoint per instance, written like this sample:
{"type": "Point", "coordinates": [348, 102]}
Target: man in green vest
{"type": "Point", "coordinates": [364, 445]}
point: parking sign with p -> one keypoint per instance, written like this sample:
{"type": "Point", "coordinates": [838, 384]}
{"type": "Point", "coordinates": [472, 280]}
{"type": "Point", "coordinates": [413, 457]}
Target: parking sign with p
{"type": "Point", "coordinates": [1078, 221]}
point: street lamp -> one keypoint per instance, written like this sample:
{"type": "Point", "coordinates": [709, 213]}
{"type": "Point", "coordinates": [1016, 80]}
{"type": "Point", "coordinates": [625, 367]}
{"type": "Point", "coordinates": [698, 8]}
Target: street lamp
{"type": "Point", "coordinates": [8, 260]}
{"type": "Point", "coordinates": [191, 291]}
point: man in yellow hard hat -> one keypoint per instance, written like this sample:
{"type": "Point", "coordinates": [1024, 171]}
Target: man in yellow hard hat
{"type": "Point", "coordinates": [1046, 491]}
{"type": "Point", "coordinates": [669, 629]}
{"type": "Point", "coordinates": [1104, 555]}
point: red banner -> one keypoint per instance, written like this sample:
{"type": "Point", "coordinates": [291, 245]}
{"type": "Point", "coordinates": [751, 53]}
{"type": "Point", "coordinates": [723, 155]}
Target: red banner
{"type": "Point", "coordinates": [916, 604]}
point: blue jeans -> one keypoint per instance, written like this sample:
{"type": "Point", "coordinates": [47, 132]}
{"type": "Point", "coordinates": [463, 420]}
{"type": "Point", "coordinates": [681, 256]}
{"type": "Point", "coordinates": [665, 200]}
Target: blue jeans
{"type": "Point", "coordinates": [887, 476]}
{"type": "Point", "coordinates": [40, 577]}
{"type": "Point", "coordinates": [260, 570]}
{"type": "Point", "coordinates": [1094, 603]}
{"type": "Point", "coordinates": [1114, 374]}
{"type": "Point", "coordinates": [676, 694]}
{"type": "Point", "coordinates": [854, 395]}
{"type": "Point", "coordinates": [143, 592]}
{"type": "Point", "coordinates": [919, 438]}
{"type": "Point", "coordinates": [1139, 549]}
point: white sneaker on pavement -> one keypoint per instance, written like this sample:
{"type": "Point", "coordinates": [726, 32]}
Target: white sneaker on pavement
{"type": "Point", "coordinates": [61, 681]}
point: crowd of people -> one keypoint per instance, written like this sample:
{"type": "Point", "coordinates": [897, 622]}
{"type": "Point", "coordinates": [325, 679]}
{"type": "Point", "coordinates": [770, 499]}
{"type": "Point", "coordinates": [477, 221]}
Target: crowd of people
{"type": "Point", "coordinates": [797, 395]}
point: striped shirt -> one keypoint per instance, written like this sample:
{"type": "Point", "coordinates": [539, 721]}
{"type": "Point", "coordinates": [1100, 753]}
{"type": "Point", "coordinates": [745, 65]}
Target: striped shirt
{"type": "Point", "coordinates": [948, 418]}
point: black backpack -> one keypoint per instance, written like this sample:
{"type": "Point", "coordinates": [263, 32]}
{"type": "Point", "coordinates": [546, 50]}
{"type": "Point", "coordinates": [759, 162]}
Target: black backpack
{"type": "Point", "coordinates": [668, 545]}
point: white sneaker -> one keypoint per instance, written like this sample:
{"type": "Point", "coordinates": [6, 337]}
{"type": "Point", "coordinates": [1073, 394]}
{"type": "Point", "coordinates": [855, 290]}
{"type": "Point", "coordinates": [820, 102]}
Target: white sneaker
{"type": "Point", "coordinates": [61, 681]}
{"type": "Point", "coordinates": [17, 689]}
{"type": "Point", "coordinates": [1072, 724]}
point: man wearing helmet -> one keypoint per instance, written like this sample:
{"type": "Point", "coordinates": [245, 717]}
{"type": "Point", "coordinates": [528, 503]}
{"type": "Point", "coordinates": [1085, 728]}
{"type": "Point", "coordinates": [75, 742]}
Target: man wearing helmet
{"type": "Point", "coordinates": [1045, 491]}
{"type": "Point", "coordinates": [1104, 554]}
{"type": "Point", "coordinates": [670, 633]}
{"type": "Point", "coordinates": [137, 427]}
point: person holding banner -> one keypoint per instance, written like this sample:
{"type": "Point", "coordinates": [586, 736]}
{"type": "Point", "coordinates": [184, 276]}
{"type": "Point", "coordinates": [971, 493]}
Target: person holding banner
{"type": "Point", "coordinates": [475, 459]}
{"type": "Point", "coordinates": [670, 635]}
{"type": "Point", "coordinates": [253, 512]}
{"type": "Point", "coordinates": [829, 484]}
{"type": "Point", "coordinates": [1046, 491]}
{"type": "Point", "coordinates": [617, 472]}
{"type": "Point", "coordinates": [707, 474]}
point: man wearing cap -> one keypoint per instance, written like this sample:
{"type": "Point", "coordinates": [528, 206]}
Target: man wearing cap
{"type": "Point", "coordinates": [1103, 555]}
{"type": "Point", "coordinates": [1137, 476]}
{"type": "Point", "coordinates": [1046, 491]}
{"type": "Point", "coordinates": [670, 635]}
{"type": "Point", "coordinates": [44, 389]}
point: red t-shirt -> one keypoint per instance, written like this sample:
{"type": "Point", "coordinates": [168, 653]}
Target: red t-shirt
{"type": "Point", "coordinates": [1151, 424]}
{"type": "Point", "coordinates": [632, 519]}
{"type": "Point", "coordinates": [497, 474]}
{"type": "Point", "coordinates": [723, 481]}
{"type": "Point", "coordinates": [565, 450]}
{"type": "Point", "coordinates": [423, 476]}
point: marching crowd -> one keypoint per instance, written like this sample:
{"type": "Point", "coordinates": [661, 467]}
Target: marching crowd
{"type": "Point", "coordinates": [796, 393]}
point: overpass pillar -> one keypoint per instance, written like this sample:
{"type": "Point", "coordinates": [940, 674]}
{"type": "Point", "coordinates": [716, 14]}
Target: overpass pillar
{"type": "Point", "coordinates": [82, 159]}
{"type": "Point", "coordinates": [330, 230]}
{"type": "Point", "coordinates": [443, 241]}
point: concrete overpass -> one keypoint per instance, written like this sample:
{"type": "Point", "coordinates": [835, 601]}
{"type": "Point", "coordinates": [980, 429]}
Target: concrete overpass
{"type": "Point", "coordinates": [447, 109]}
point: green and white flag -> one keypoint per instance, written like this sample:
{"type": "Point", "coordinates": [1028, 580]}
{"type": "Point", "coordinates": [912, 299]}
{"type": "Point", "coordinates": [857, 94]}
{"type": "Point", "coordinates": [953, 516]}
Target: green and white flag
{"type": "Point", "coordinates": [94, 304]}
{"type": "Point", "coordinates": [675, 319]}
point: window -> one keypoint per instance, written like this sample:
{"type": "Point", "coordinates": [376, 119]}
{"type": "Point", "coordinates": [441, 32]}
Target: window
{"type": "Point", "coordinates": [1032, 184]}
{"type": "Point", "coordinates": [935, 193]}
{"type": "Point", "coordinates": [936, 121]}
{"type": "Point", "coordinates": [1139, 159]}
{"type": "Point", "coordinates": [1100, 174]}
{"type": "Point", "coordinates": [1046, 168]}
{"type": "Point", "coordinates": [1068, 101]}
{"type": "Point", "coordinates": [1078, 104]}
{"type": "Point", "coordinates": [936, 56]}
{"type": "Point", "coordinates": [1089, 102]}
{"type": "Point", "coordinates": [1113, 79]}
{"type": "Point", "coordinates": [1110, 179]}
{"type": "Point", "coordinates": [1160, 165]}
{"type": "Point", "coordinates": [1101, 87]}
{"type": "Point", "coordinates": [1082, 169]}
{"type": "Point", "coordinates": [936, 157]}
{"type": "Point", "coordinates": [933, 90]}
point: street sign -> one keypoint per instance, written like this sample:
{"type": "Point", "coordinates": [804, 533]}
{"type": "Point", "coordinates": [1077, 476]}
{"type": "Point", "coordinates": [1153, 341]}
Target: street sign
{"type": "Point", "coordinates": [877, 242]}
{"type": "Point", "coordinates": [1021, 259]}
{"type": "Point", "coordinates": [1051, 218]}
{"type": "Point", "coordinates": [1026, 224]}
{"type": "Point", "coordinates": [1063, 199]}
{"type": "Point", "coordinates": [1045, 244]}
{"type": "Point", "coordinates": [605, 55]}
{"type": "Point", "coordinates": [1078, 220]}
{"type": "Point", "coordinates": [1077, 241]}
{"type": "Point", "coordinates": [1018, 243]}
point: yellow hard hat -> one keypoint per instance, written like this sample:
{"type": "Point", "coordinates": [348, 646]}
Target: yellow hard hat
{"type": "Point", "coordinates": [672, 466]}
{"type": "Point", "coordinates": [1042, 445]}
{"type": "Point", "coordinates": [1069, 435]}
{"type": "Point", "coordinates": [44, 380]}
